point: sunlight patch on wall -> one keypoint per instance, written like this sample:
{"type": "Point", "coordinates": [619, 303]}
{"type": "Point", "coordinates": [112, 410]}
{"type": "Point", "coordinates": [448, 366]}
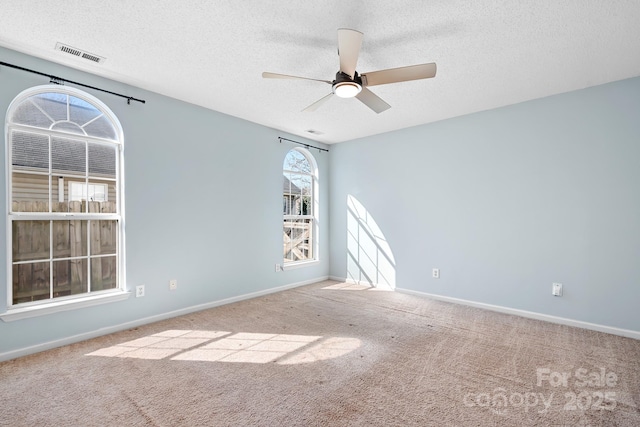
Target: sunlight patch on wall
{"type": "Point", "coordinates": [223, 346]}
{"type": "Point", "coordinates": [369, 256]}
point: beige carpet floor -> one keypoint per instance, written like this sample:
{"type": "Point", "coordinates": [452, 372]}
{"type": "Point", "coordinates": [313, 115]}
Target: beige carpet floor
{"type": "Point", "coordinates": [331, 354]}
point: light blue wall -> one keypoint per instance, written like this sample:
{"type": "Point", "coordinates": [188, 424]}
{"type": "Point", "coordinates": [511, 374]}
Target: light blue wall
{"type": "Point", "coordinates": [508, 201]}
{"type": "Point", "coordinates": [203, 206]}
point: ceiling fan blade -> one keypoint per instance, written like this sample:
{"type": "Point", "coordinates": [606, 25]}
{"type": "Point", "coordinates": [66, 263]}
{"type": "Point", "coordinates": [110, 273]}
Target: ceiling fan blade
{"type": "Point", "coordinates": [267, 75]}
{"type": "Point", "coordinates": [318, 103]}
{"type": "Point", "coordinates": [349, 42]}
{"type": "Point", "coordinates": [402, 74]}
{"type": "Point", "coordinates": [372, 100]}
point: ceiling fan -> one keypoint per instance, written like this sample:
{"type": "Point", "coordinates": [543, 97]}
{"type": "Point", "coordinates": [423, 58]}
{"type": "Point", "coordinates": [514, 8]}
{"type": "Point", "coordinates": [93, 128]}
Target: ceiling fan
{"type": "Point", "coordinates": [348, 83]}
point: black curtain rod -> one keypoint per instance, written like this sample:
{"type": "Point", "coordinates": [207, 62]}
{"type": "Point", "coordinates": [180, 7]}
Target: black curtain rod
{"type": "Point", "coordinates": [302, 143]}
{"type": "Point", "coordinates": [57, 80]}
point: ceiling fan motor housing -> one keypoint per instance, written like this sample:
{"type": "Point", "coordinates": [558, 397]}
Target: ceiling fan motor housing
{"type": "Point", "coordinates": [346, 87]}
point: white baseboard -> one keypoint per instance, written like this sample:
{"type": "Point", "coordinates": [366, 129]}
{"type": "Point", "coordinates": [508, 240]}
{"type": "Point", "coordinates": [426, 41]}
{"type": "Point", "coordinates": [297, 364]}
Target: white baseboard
{"type": "Point", "coordinates": [529, 314]}
{"type": "Point", "coordinates": [12, 354]}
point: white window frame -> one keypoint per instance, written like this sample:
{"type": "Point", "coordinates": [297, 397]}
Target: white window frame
{"type": "Point", "coordinates": [46, 306]}
{"type": "Point", "coordinates": [314, 216]}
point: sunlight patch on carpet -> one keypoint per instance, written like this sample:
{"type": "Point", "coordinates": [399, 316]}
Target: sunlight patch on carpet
{"type": "Point", "coordinates": [329, 348]}
{"type": "Point", "coordinates": [350, 286]}
{"type": "Point", "coordinates": [225, 346]}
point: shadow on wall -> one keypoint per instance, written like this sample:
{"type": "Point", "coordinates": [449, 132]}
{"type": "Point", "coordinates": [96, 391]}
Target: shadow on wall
{"type": "Point", "coordinates": [369, 257]}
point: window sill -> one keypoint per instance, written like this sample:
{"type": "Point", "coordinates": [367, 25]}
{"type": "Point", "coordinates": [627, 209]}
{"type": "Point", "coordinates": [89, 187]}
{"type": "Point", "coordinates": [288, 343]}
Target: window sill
{"type": "Point", "coordinates": [299, 264]}
{"type": "Point", "coordinates": [57, 306]}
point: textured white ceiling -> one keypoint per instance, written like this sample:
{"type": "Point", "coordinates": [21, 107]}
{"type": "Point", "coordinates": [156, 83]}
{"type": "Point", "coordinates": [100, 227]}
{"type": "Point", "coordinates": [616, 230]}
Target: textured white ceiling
{"type": "Point", "coordinates": [489, 53]}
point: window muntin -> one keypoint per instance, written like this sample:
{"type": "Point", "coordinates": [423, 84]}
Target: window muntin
{"type": "Point", "coordinates": [65, 239]}
{"type": "Point", "coordinates": [299, 202]}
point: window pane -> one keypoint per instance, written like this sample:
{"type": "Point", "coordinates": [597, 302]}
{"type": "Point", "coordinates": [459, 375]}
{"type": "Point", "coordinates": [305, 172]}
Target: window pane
{"type": "Point", "coordinates": [54, 104]}
{"type": "Point", "coordinates": [297, 162]}
{"type": "Point", "coordinates": [70, 277]}
{"type": "Point", "coordinates": [30, 151]}
{"type": "Point", "coordinates": [69, 239]}
{"type": "Point", "coordinates": [103, 273]}
{"type": "Point", "coordinates": [297, 183]}
{"type": "Point", "coordinates": [304, 182]}
{"type": "Point", "coordinates": [59, 196]}
{"type": "Point", "coordinates": [30, 282]}
{"type": "Point", "coordinates": [102, 196]}
{"type": "Point", "coordinates": [104, 237]}
{"type": "Point", "coordinates": [287, 253]}
{"type": "Point", "coordinates": [291, 194]}
{"type": "Point", "coordinates": [287, 202]}
{"type": "Point", "coordinates": [81, 112]}
{"type": "Point", "coordinates": [303, 238]}
{"type": "Point", "coordinates": [72, 192]}
{"type": "Point", "coordinates": [297, 239]}
{"type": "Point", "coordinates": [77, 190]}
{"type": "Point", "coordinates": [28, 114]}
{"type": "Point", "coordinates": [101, 128]}
{"type": "Point", "coordinates": [30, 240]}
{"type": "Point", "coordinates": [102, 160]}
{"type": "Point", "coordinates": [305, 203]}
{"type": "Point", "coordinates": [29, 192]}
{"type": "Point", "coordinates": [68, 156]}
{"type": "Point", "coordinates": [286, 194]}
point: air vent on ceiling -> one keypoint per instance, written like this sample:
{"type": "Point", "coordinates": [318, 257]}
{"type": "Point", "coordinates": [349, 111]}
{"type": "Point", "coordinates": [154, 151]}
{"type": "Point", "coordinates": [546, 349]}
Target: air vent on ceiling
{"type": "Point", "coordinates": [80, 53]}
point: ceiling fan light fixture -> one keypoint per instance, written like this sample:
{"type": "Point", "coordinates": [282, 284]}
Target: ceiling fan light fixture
{"type": "Point", "coordinates": [347, 89]}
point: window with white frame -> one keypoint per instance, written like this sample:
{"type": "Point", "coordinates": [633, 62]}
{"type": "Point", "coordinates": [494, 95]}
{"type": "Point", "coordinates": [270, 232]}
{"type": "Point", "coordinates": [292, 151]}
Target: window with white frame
{"type": "Point", "coordinates": [65, 241]}
{"type": "Point", "coordinates": [299, 206]}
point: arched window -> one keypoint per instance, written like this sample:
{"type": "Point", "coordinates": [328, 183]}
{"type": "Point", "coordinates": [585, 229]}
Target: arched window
{"type": "Point", "coordinates": [64, 163]}
{"type": "Point", "coordinates": [299, 206]}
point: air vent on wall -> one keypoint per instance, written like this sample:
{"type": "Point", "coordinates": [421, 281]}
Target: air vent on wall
{"type": "Point", "coordinates": [80, 53]}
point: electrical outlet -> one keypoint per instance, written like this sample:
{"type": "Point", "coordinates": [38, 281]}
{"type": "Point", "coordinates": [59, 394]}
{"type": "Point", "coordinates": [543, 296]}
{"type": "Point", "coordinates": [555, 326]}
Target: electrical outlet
{"type": "Point", "coordinates": [436, 273]}
{"type": "Point", "coordinates": [173, 284]}
{"type": "Point", "coordinates": [278, 267]}
{"type": "Point", "coordinates": [139, 291]}
{"type": "Point", "coordinates": [556, 289]}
